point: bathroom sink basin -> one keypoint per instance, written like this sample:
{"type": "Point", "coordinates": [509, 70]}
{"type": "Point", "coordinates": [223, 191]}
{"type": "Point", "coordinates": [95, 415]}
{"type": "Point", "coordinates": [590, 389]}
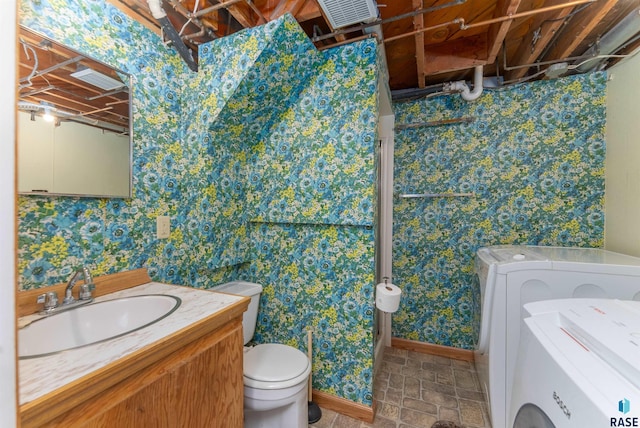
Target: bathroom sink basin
{"type": "Point", "coordinates": [93, 323]}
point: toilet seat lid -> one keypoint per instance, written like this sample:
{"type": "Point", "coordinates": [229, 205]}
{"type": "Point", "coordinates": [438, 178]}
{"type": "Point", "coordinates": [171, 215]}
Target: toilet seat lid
{"type": "Point", "coordinates": [273, 362]}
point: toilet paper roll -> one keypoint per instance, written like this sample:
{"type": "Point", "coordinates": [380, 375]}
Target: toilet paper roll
{"type": "Point", "coordinates": [388, 297]}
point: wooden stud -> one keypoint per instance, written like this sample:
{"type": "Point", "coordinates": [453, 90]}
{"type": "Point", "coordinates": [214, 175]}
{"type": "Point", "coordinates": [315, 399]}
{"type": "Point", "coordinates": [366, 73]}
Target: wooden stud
{"type": "Point", "coordinates": [528, 52]}
{"type": "Point", "coordinates": [458, 54]}
{"type": "Point", "coordinates": [418, 24]}
{"type": "Point", "coordinates": [243, 14]}
{"type": "Point", "coordinates": [310, 10]}
{"type": "Point", "coordinates": [579, 28]}
{"type": "Point", "coordinates": [286, 6]}
{"type": "Point", "coordinates": [497, 32]}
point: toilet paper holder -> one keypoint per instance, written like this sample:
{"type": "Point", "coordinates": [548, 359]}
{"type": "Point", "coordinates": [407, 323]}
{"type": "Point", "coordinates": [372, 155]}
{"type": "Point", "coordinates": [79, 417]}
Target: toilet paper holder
{"type": "Point", "coordinates": [386, 283]}
{"type": "Point", "coordinates": [387, 296]}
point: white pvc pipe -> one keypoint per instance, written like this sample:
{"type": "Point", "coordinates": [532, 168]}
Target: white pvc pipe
{"type": "Point", "coordinates": [477, 86]}
{"type": "Point", "coordinates": [462, 87]}
{"type": "Point", "coordinates": [156, 9]}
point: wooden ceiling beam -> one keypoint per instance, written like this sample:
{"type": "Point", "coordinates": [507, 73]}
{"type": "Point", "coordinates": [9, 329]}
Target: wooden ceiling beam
{"type": "Point", "coordinates": [418, 24]}
{"type": "Point", "coordinates": [142, 15]}
{"type": "Point", "coordinates": [541, 31]}
{"type": "Point", "coordinates": [310, 10]}
{"type": "Point", "coordinates": [210, 19]}
{"type": "Point", "coordinates": [579, 28]}
{"type": "Point", "coordinates": [458, 54]}
{"type": "Point", "coordinates": [498, 31]}
{"type": "Point", "coordinates": [286, 6]}
{"type": "Point", "coordinates": [243, 13]}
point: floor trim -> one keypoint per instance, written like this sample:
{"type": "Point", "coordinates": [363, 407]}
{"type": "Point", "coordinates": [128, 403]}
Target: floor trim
{"type": "Point", "coordinates": [344, 406]}
{"type": "Point", "coordinates": [430, 348]}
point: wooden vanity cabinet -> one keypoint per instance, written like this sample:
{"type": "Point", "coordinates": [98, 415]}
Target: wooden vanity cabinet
{"type": "Point", "coordinates": [197, 384]}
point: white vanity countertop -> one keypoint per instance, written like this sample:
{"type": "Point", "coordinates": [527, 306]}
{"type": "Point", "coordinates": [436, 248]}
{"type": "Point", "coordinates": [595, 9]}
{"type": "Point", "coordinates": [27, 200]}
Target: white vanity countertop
{"type": "Point", "coordinates": [40, 376]}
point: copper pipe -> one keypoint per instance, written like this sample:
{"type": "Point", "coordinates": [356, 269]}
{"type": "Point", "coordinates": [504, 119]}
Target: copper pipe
{"type": "Point", "coordinates": [387, 20]}
{"type": "Point", "coordinates": [524, 14]}
{"type": "Point", "coordinates": [191, 17]}
{"type": "Point", "coordinates": [512, 16]}
{"type": "Point", "coordinates": [190, 37]}
{"type": "Point", "coordinates": [435, 123]}
{"type": "Point", "coordinates": [216, 7]}
{"type": "Point", "coordinates": [422, 30]}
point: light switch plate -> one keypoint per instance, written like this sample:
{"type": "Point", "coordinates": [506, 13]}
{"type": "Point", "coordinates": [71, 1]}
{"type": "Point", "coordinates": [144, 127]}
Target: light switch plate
{"type": "Point", "coordinates": [163, 226]}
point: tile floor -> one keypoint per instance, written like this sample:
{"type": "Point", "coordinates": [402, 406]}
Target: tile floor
{"type": "Point", "coordinates": [414, 390]}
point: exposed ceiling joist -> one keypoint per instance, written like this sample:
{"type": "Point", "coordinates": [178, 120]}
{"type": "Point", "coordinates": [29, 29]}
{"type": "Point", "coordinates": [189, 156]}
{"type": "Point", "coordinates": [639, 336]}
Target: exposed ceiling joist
{"type": "Point", "coordinates": [310, 10]}
{"type": "Point", "coordinates": [498, 31]}
{"type": "Point", "coordinates": [541, 33]}
{"type": "Point", "coordinates": [287, 6]}
{"type": "Point", "coordinates": [418, 24]}
{"type": "Point", "coordinates": [579, 28]}
{"type": "Point", "coordinates": [459, 54]}
{"type": "Point", "coordinates": [243, 13]}
{"type": "Point", "coordinates": [427, 41]}
{"type": "Point", "coordinates": [135, 11]}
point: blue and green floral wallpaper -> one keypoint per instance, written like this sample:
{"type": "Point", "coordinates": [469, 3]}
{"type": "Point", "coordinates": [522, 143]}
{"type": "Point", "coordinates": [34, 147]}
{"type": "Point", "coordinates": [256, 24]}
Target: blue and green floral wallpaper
{"type": "Point", "coordinates": [57, 235]}
{"type": "Point", "coordinates": [324, 146]}
{"type": "Point", "coordinates": [264, 160]}
{"type": "Point", "coordinates": [320, 278]}
{"type": "Point", "coordinates": [534, 160]}
{"type": "Point", "coordinates": [310, 194]}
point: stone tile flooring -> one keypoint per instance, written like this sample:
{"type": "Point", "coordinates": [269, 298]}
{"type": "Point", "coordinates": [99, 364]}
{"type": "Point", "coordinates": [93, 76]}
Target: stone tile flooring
{"type": "Point", "coordinates": [414, 390]}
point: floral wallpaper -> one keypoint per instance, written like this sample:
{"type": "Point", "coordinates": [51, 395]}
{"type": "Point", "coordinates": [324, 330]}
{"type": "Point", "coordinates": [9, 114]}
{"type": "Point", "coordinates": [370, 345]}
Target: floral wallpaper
{"type": "Point", "coordinates": [319, 278]}
{"type": "Point", "coordinates": [323, 147]}
{"type": "Point", "coordinates": [57, 235]}
{"type": "Point", "coordinates": [310, 195]}
{"type": "Point", "coordinates": [534, 160]}
{"type": "Point", "coordinates": [269, 147]}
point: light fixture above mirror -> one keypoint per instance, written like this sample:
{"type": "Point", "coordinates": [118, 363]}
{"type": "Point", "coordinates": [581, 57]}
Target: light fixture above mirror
{"type": "Point", "coordinates": [74, 133]}
{"type": "Point", "coordinates": [79, 88]}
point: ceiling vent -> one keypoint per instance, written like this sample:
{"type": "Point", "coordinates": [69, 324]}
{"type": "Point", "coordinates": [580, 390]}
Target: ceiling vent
{"type": "Point", "coordinates": [342, 13]}
{"type": "Point", "coordinates": [98, 79]}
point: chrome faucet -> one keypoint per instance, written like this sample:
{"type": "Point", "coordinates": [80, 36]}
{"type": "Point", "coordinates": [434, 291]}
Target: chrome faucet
{"type": "Point", "coordinates": [85, 290]}
{"type": "Point", "coordinates": [50, 300]}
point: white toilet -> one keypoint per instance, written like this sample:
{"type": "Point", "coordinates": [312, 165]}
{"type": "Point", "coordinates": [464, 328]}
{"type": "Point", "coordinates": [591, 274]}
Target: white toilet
{"type": "Point", "coordinates": [275, 376]}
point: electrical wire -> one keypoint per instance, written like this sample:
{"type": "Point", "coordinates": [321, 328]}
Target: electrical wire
{"type": "Point", "coordinates": [564, 18]}
{"type": "Point", "coordinates": [195, 9]}
{"type": "Point", "coordinates": [27, 47]}
{"type": "Point", "coordinates": [596, 57]}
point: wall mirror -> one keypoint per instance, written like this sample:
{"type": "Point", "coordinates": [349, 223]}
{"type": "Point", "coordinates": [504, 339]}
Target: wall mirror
{"type": "Point", "coordinates": [74, 122]}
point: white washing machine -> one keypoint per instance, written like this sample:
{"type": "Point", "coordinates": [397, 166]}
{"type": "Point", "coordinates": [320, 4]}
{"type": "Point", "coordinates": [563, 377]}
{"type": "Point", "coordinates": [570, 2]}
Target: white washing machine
{"type": "Point", "coordinates": [578, 365]}
{"type": "Point", "coordinates": [513, 275]}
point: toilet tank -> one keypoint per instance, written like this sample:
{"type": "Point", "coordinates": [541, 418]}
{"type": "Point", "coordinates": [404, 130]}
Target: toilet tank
{"type": "Point", "coordinates": [249, 289]}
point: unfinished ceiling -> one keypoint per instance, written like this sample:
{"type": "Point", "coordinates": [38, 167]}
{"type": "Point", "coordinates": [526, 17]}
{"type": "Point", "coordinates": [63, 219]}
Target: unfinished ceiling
{"type": "Point", "coordinates": [429, 42]}
{"type": "Point", "coordinates": [58, 81]}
